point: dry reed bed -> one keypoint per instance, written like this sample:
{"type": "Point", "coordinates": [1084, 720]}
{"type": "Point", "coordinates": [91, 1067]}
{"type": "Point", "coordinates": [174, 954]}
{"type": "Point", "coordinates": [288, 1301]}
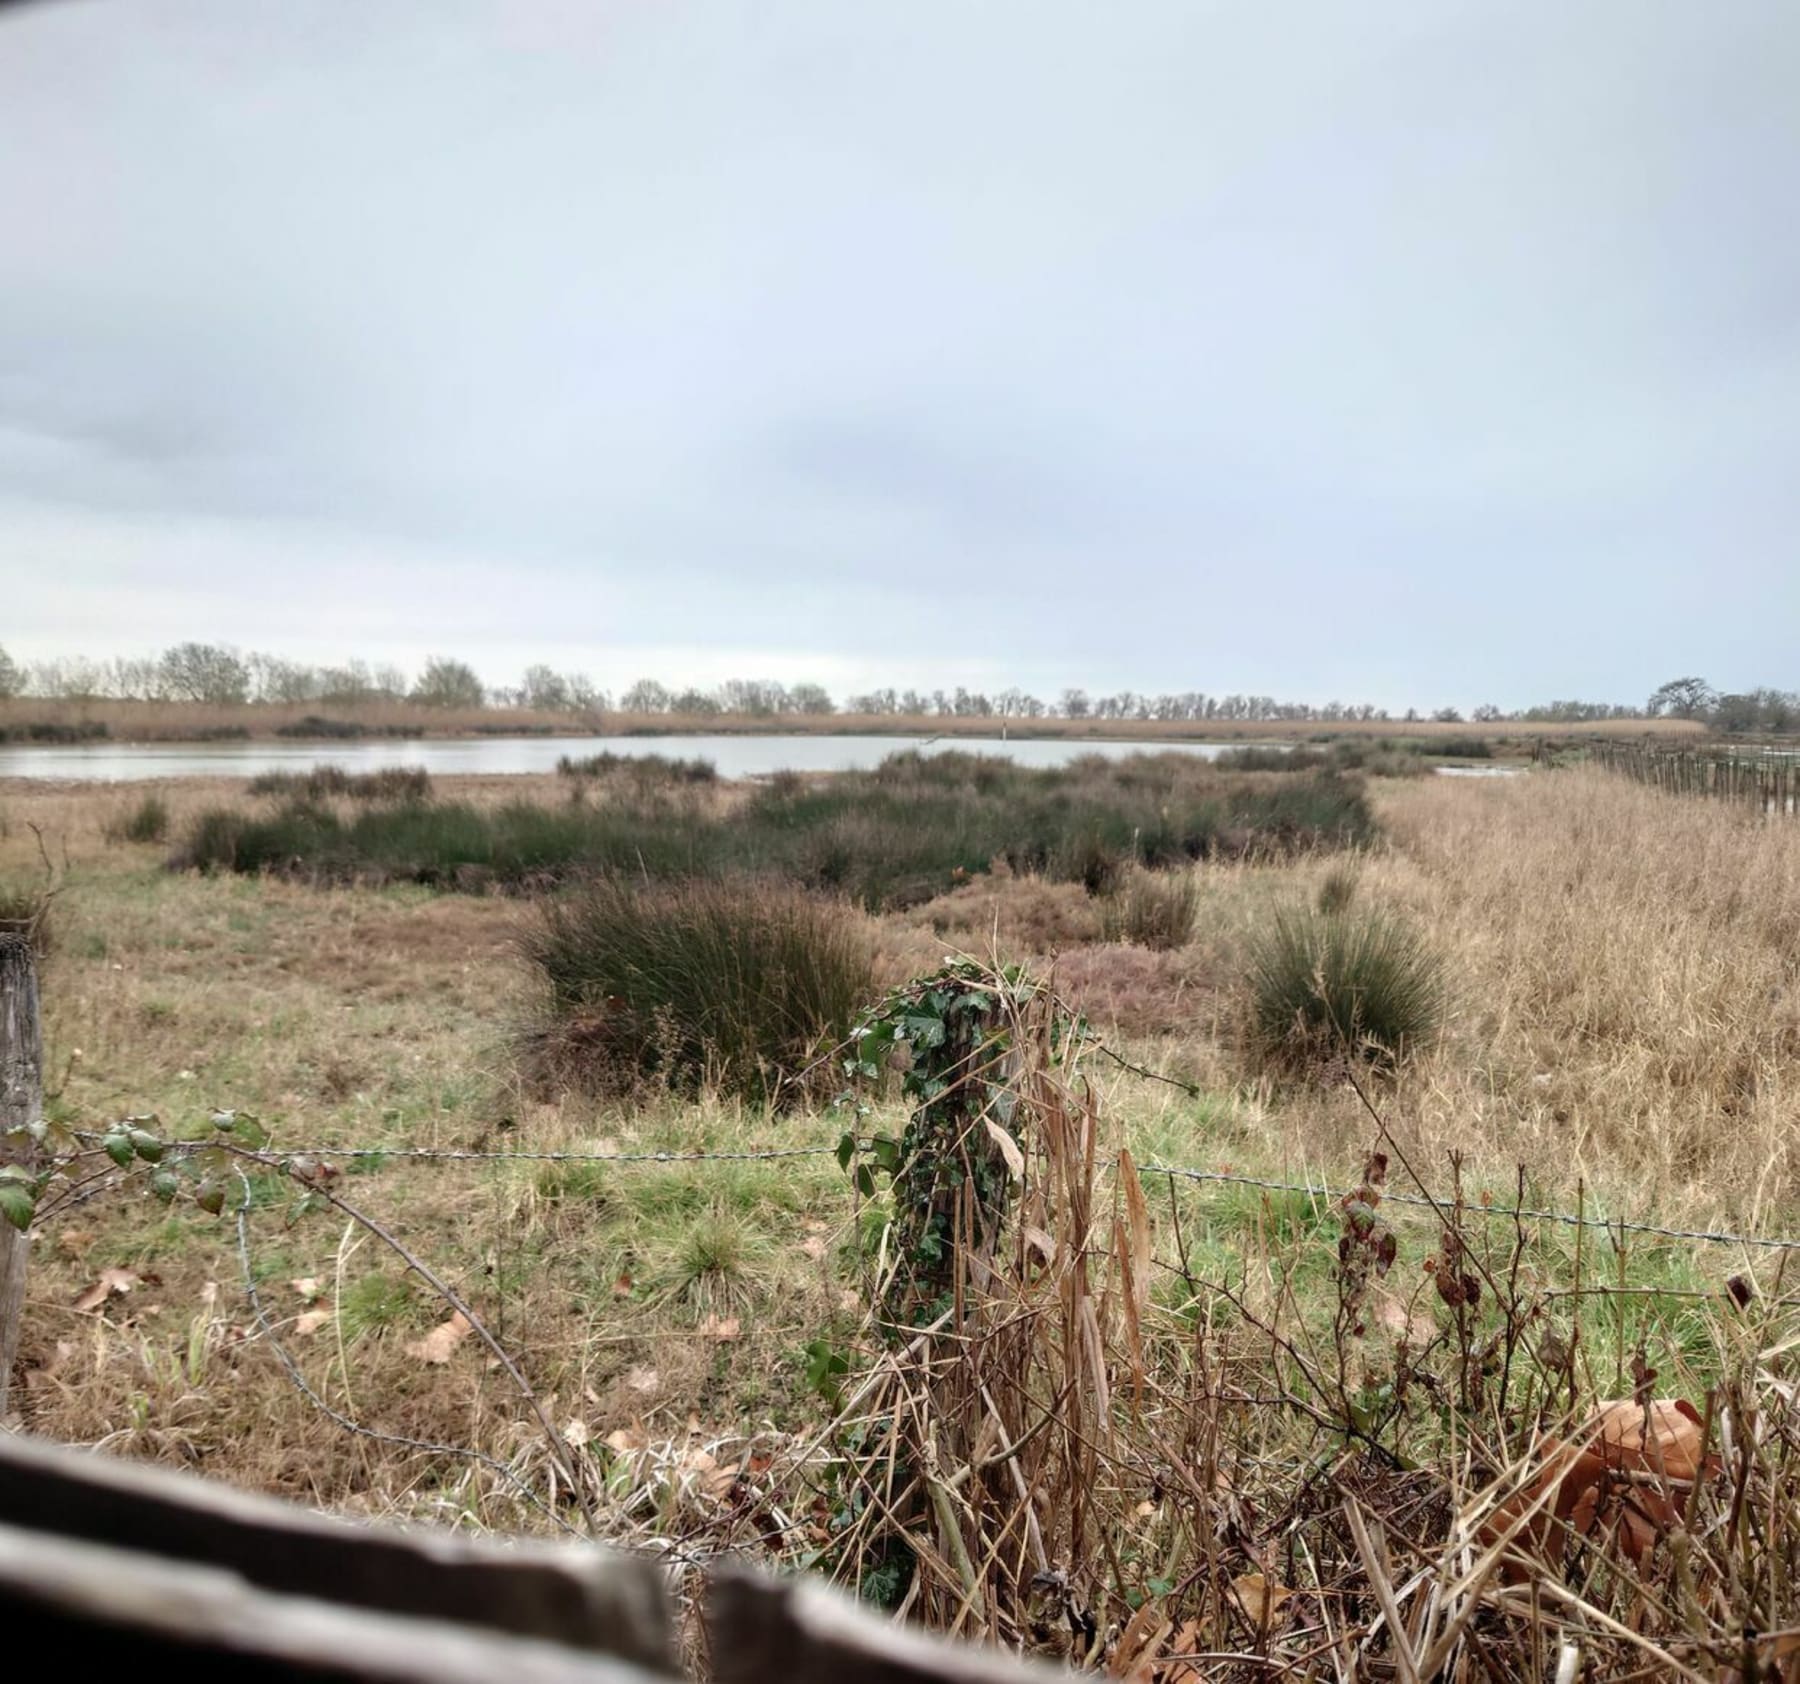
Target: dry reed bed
{"type": "Point", "coordinates": [1626, 967]}
{"type": "Point", "coordinates": [149, 721]}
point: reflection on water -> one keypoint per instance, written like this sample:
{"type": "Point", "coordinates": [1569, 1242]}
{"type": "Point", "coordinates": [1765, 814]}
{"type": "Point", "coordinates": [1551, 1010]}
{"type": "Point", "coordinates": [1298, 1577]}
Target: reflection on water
{"type": "Point", "coordinates": [734, 756]}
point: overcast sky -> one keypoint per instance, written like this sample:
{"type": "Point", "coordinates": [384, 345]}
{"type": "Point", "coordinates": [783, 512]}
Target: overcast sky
{"type": "Point", "coordinates": [1417, 352]}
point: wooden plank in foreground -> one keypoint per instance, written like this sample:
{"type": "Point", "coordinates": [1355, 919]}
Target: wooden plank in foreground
{"type": "Point", "coordinates": [91, 1608]}
{"type": "Point", "coordinates": [592, 1599]}
{"type": "Point", "coordinates": [802, 1632]}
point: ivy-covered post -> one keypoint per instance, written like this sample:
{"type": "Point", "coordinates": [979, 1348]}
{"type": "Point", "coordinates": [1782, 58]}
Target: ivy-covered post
{"type": "Point", "coordinates": [21, 1104]}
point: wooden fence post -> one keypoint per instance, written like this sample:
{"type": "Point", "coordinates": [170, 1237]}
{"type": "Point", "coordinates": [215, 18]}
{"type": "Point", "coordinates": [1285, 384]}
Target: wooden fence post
{"type": "Point", "coordinates": [21, 1101]}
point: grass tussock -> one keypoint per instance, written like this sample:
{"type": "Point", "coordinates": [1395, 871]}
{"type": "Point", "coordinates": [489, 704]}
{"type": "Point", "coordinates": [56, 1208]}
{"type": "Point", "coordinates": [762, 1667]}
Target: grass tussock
{"type": "Point", "coordinates": [734, 986]}
{"type": "Point", "coordinates": [1337, 889]}
{"type": "Point", "coordinates": [1158, 912]}
{"type": "Point", "coordinates": [643, 769]}
{"type": "Point", "coordinates": [1346, 983]}
{"type": "Point", "coordinates": [147, 821]}
{"type": "Point", "coordinates": [323, 783]}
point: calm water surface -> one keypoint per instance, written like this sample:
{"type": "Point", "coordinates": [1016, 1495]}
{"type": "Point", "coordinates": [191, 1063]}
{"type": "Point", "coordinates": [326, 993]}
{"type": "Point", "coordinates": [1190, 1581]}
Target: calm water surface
{"type": "Point", "coordinates": [735, 756]}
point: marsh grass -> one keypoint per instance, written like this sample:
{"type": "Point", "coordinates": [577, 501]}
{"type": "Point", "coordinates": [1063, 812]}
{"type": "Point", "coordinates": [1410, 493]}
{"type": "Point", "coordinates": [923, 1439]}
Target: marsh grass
{"type": "Point", "coordinates": [893, 837]}
{"type": "Point", "coordinates": [1157, 912]}
{"type": "Point", "coordinates": [740, 986]}
{"type": "Point", "coordinates": [148, 821]}
{"type": "Point", "coordinates": [716, 1264]}
{"type": "Point", "coordinates": [1355, 983]}
{"type": "Point", "coordinates": [324, 782]}
{"type": "Point", "coordinates": [644, 769]}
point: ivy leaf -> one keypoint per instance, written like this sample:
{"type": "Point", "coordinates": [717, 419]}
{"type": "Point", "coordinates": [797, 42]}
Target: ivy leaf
{"type": "Point", "coordinates": [824, 1364]}
{"type": "Point", "coordinates": [17, 1202]}
{"type": "Point", "coordinates": [865, 1181]}
{"type": "Point", "coordinates": [925, 1032]}
{"type": "Point", "coordinates": [846, 1149]}
{"type": "Point", "coordinates": [117, 1146]}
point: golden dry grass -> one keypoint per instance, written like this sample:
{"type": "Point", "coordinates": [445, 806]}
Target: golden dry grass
{"type": "Point", "coordinates": [129, 721]}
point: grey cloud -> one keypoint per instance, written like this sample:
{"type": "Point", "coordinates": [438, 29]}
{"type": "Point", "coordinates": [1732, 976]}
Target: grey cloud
{"type": "Point", "coordinates": [1400, 350]}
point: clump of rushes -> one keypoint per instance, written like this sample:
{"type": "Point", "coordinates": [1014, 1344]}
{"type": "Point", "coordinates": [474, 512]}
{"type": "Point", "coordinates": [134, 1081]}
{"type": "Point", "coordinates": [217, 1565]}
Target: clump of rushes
{"type": "Point", "coordinates": [1157, 912]}
{"type": "Point", "coordinates": [1362, 984]}
{"type": "Point", "coordinates": [737, 985]}
{"type": "Point", "coordinates": [1337, 889]}
{"type": "Point", "coordinates": [148, 821]}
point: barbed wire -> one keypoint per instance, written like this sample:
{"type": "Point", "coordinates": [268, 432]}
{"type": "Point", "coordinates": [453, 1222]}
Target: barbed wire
{"type": "Point", "coordinates": [1507, 1212]}
{"type": "Point", "coordinates": [456, 1154]}
{"type": "Point", "coordinates": [1184, 1172]}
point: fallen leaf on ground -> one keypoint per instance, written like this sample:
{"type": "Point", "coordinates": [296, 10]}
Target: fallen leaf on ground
{"type": "Point", "coordinates": [626, 1441]}
{"type": "Point", "coordinates": [814, 1247]}
{"type": "Point", "coordinates": [643, 1379]}
{"type": "Point", "coordinates": [111, 1284]}
{"type": "Point", "coordinates": [308, 1287]}
{"type": "Point", "coordinates": [439, 1345]}
{"type": "Point", "coordinates": [72, 1242]}
{"type": "Point", "coordinates": [1626, 1475]}
{"type": "Point", "coordinates": [722, 1327]}
{"type": "Point", "coordinates": [707, 1474]}
{"type": "Point", "coordinates": [1259, 1599]}
{"type": "Point", "coordinates": [310, 1321]}
{"type": "Point", "coordinates": [622, 1286]}
{"type": "Point", "coordinates": [576, 1434]}
{"type": "Point", "coordinates": [1186, 1641]}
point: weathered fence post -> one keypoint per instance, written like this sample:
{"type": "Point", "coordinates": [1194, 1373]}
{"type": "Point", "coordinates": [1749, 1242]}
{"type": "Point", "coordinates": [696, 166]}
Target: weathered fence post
{"type": "Point", "coordinates": [21, 1101]}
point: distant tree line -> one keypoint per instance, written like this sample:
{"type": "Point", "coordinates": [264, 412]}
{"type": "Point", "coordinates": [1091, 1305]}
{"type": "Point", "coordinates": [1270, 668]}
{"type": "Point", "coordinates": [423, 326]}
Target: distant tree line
{"type": "Point", "coordinates": [222, 676]}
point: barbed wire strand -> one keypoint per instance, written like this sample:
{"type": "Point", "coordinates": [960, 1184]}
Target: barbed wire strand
{"type": "Point", "coordinates": [1185, 1172]}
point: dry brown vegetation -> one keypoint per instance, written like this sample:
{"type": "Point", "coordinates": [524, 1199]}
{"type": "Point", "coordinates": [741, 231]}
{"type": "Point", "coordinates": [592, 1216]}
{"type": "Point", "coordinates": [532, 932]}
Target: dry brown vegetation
{"type": "Point", "coordinates": [142, 721]}
{"type": "Point", "coordinates": [1625, 1025]}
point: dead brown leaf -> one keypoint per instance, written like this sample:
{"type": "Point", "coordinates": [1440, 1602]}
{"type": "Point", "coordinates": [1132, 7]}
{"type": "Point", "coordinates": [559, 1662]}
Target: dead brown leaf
{"type": "Point", "coordinates": [113, 1283]}
{"type": "Point", "coordinates": [722, 1327]}
{"type": "Point", "coordinates": [707, 1473]}
{"type": "Point", "coordinates": [1259, 1599]}
{"type": "Point", "coordinates": [641, 1379]}
{"type": "Point", "coordinates": [308, 1287]}
{"type": "Point", "coordinates": [1009, 1149]}
{"type": "Point", "coordinates": [308, 1322]}
{"type": "Point", "coordinates": [439, 1345]}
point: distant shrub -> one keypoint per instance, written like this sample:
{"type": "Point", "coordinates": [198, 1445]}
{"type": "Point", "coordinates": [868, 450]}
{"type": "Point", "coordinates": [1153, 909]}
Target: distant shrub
{"type": "Point", "coordinates": [1353, 983]}
{"type": "Point", "coordinates": [316, 725]}
{"type": "Point", "coordinates": [1154, 912]}
{"type": "Point", "coordinates": [148, 821]}
{"type": "Point", "coordinates": [215, 734]}
{"type": "Point", "coordinates": [732, 984]}
{"type": "Point", "coordinates": [55, 731]}
{"type": "Point", "coordinates": [1459, 748]}
{"type": "Point", "coordinates": [386, 783]}
{"type": "Point", "coordinates": [639, 768]}
{"type": "Point", "coordinates": [1257, 757]}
